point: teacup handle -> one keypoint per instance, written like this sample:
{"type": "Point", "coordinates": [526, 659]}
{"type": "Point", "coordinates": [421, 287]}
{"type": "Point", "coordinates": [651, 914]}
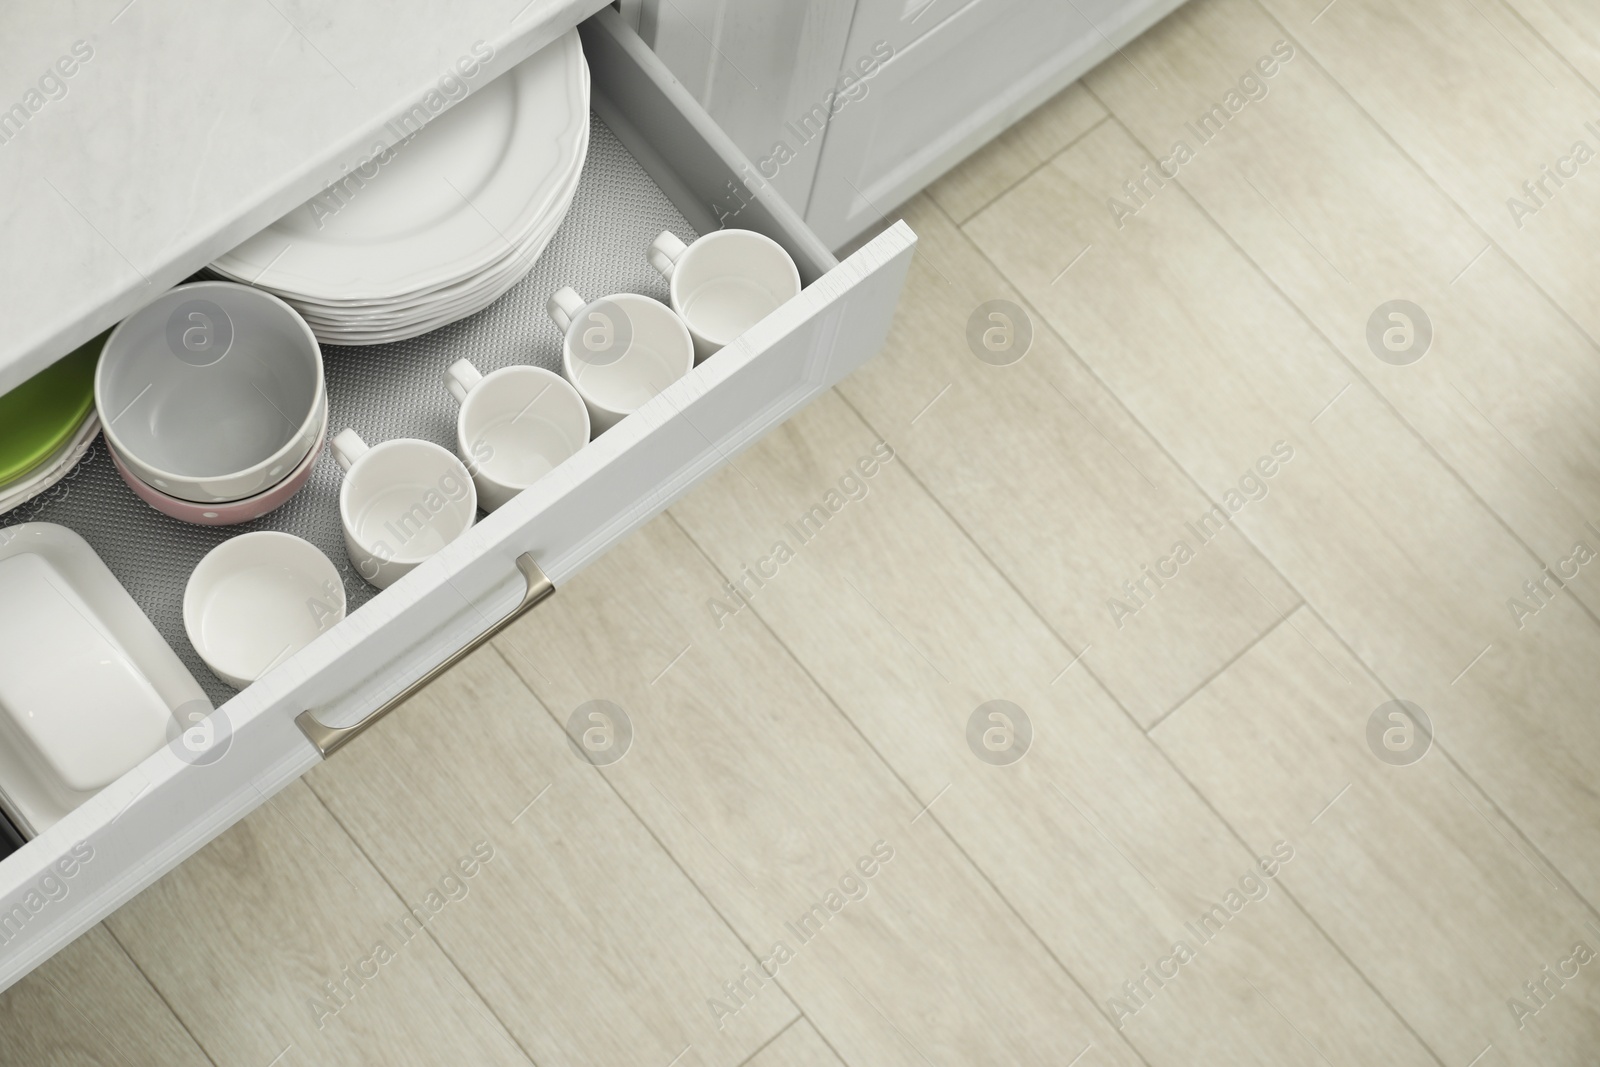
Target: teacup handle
{"type": "Point", "coordinates": [664, 253]}
{"type": "Point", "coordinates": [564, 305]}
{"type": "Point", "coordinates": [347, 448]}
{"type": "Point", "coordinates": [461, 378]}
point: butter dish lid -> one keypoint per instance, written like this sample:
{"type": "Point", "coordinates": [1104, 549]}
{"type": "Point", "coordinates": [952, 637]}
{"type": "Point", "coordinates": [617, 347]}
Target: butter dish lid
{"type": "Point", "coordinates": [88, 687]}
{"type": "Point", "coordinates": [68, 692]}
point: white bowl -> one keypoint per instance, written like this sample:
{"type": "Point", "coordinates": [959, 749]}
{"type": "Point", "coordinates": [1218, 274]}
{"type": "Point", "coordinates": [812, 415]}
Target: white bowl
{"type": "Point", "coordinates": [257, 599]}
{"type": "Point", "coordinates": [212, 393]}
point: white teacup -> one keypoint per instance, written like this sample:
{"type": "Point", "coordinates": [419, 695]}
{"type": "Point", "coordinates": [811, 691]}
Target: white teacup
{"type": "Point", "coordinates": [516, 425]}
{"type": "Point", "coordinates": [724, 283]}
{"type": "Point", "coordinates": [401, 501]}
{"type": "Point", "coordinates": [619, 351]}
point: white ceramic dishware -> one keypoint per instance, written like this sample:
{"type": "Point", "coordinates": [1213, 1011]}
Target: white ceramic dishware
{"type": "Point", "coordinates": [88, 687]}
{"type": "Point", "coordinates": [724, 283]}
{"type": "Point", "coordinates": [401, 502]}
{"type": "Point", "coordinates": [257, 599]}
{"type": "Point", "coordinates": [407, 318]}
{"type": "Point", "coordinates": [516, 425]}
{"type": "Point", "coordinates": [234, 511]}
{"type": "Point", "coordinates": [73, 703]}
{"type": "Point", "coordinates": [445, 214]}
{"type": "Point", "coordinates": [619, 351]}
{"type": "Point", "coordinates": [211, 393]}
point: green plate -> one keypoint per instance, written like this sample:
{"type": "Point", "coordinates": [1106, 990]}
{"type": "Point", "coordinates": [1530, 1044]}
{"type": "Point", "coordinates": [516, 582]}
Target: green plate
{"type": "Point", "coordinates": [41, 414]}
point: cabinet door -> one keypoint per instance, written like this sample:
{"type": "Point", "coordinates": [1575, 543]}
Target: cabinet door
{"type": "Point", "coordinates": [760, 70]}
{"type": "Point", "coordinates": [949, 88]}
{"type": "Point", "coordinates": [898, 23]}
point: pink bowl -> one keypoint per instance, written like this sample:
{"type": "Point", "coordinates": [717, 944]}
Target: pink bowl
{"type": "Point", "coordinates": [234, 511]}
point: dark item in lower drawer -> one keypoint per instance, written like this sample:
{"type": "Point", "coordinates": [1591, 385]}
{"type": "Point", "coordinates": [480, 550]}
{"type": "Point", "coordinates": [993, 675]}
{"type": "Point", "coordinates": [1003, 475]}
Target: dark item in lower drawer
{"type": "Point", "coordinates": [10, 837]}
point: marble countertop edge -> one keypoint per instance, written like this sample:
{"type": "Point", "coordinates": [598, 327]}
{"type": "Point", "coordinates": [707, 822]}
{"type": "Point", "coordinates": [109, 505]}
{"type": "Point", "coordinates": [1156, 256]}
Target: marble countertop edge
{"type": "Point", "coordinates": [117, 288]}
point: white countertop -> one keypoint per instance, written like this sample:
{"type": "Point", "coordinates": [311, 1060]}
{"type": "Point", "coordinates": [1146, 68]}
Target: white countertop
{"type": "Point", "coordinates": [184, 127]}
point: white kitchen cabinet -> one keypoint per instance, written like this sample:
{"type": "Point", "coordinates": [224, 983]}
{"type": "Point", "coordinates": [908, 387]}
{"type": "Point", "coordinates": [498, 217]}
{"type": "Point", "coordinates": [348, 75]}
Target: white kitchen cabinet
{"type": "Point", "coordinates": [958, 72]}
{"type": "Point", "coordinates": [757, 68]}
{"type": "Point", "coordinates": [74, 873]}
{"type": "Point", "coordinates": [950, 89]}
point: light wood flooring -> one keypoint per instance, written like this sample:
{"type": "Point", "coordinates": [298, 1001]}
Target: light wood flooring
{"type": "Point", "coordinates": [1217, 846]}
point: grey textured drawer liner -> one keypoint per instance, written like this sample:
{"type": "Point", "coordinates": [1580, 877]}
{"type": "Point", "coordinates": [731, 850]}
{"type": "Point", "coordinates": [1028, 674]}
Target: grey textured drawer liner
{"type": "Point", "coordinates": [383, 391]}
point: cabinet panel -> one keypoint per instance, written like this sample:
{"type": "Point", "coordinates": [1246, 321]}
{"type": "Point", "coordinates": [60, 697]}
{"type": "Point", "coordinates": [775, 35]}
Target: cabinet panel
{"type": "Point", "coordinates": [756, 67]}
{"type": "Point", "coordinates": [951, 90]}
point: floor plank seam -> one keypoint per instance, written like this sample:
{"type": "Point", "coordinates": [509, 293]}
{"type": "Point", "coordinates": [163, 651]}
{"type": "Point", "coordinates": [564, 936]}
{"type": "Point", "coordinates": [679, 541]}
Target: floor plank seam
{"type": "Point", "coordinates": [1463, 770]}
{"type": "Point", "coordinates": [1426, 176]}
{"type": "Point", "coordinates": [157, 990]}
{"type": "Point", "coordinates": [1235, 658]}
{"type": "Point", "coordinates": [981, 208]}
{"type": "Point", "coordinates": [69, 1002]}
{"type": "Point", "coordinates": [909, 791]}
{"type": "Point", "coordinates": [482, 1004]}
{"type": "Point", "coordinates": [1311, 919]}
{"type": "Point", "coordinates": [1461, 481]}
{"type": "Point", "coordinates": [769, 1041]}
{"type": "Point", "coordinates": [1171, 459]}
{"type": "Point", "coordinates": [1305, 318]}
{"type": "Point", "coordinates": [671, 857]}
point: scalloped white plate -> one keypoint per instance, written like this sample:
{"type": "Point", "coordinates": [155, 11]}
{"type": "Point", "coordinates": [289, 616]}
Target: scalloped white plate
{"type": "Point", "coordinates": [453, 200]}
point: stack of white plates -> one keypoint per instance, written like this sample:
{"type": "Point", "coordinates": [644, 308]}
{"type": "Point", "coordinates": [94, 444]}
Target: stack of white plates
{"type": "Point", "coordinates": [442, 223]}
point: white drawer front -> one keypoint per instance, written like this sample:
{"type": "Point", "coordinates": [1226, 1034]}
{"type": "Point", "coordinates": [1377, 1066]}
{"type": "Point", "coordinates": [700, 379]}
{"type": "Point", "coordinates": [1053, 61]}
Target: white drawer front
{"type": "Point", "coordinates": [62, 882]}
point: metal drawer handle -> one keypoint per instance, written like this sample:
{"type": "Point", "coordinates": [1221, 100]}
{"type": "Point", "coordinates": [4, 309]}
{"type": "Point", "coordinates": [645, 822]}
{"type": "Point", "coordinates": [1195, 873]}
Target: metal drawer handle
{"type": "Point", "coordinates": [330, 739]}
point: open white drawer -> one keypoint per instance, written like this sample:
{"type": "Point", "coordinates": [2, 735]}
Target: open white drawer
{"type": "Point", "coordinates": [76, 872]}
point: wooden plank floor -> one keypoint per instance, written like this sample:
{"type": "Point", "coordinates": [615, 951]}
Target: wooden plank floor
{"type": "Point", "coordinates": [1071, 736]}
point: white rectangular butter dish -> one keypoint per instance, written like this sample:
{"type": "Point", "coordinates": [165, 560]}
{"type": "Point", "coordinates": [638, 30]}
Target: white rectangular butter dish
{"type": "Point", "coordinates": [88, 689]}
